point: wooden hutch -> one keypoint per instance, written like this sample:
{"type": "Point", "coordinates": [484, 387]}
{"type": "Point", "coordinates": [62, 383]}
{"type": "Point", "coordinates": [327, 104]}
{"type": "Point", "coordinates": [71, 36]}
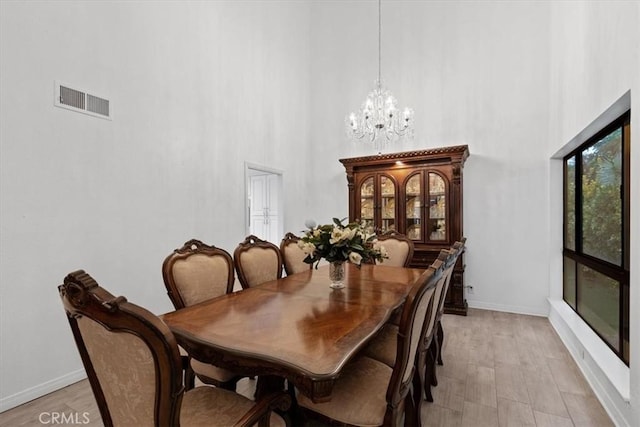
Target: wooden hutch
{"type": "Point", "coordinates": [416, 193]}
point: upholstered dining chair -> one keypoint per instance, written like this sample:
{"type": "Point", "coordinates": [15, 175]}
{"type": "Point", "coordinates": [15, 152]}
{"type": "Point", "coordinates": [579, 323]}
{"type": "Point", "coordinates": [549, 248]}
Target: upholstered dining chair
{"type": "Point", "coordinates": [134, 368]}
{"type": "Point", "coordinates": [292, 255]}
{"type": "Point", "coordinates": [382, 347]}
{"type": "Point", "coordinates": [429, 348]}
{"type": "Point", "coordinates": [399, 248]}
{"type": "Point", "coordinates": [194, 273]}
{"type": "Point", "coordinates": [257, 261]}
{"type": "Point", "coordinates": [457, 249]}
{"type": "Point", "coordinates": [371, 393]}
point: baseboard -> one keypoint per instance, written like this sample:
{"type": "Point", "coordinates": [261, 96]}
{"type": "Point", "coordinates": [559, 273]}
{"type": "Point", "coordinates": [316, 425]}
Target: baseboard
{"type": "Point", "coordinates": [40, 390]}
{"type": "Point", "coordinates": [608, 378]}
{"type": "Point", "coordinates": [507, 308]}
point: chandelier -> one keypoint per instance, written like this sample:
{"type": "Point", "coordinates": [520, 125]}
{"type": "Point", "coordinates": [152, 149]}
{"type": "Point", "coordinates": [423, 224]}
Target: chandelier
{"type": "Point", "coordinates": [379, 114]}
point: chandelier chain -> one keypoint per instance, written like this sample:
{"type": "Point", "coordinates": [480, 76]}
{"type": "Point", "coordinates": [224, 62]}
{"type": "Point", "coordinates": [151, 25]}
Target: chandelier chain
{"type": "Point", "coordinates": [379, 118]}
{"type": "Point", "coordinates": [379, 42]}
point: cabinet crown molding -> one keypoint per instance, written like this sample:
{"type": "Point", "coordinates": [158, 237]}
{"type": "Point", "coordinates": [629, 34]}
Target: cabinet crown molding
{"type": "Point", "coordinates": [454, 152]}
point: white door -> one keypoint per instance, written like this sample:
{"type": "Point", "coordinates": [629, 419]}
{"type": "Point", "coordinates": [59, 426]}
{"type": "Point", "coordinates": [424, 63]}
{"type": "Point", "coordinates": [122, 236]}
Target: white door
{"type": "Point", "coordinates": [258, 206]}
{"type": "Point", "coordinates": [264, 201]}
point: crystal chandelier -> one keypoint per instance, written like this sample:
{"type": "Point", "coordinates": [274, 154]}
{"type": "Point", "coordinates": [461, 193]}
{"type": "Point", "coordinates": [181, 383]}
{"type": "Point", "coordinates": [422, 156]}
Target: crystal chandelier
{"type": "Point", "coordinates": [379, 115]}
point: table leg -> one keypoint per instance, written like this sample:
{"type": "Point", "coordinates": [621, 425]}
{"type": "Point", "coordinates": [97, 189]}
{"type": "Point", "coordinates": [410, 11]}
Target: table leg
{"type": "Point", "coordinates": [268, 384]}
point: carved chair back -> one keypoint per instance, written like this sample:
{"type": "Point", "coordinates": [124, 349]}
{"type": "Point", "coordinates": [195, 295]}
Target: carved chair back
{"type": "Point", "coordinates": [417, 307]}
{"type": "Point", "coordinates": [455, 252]}
{"type": "Point", "coordinates": [292, 255]}
{"type": "Point", "coordinates": [257, 261]}
{"type": "Point", "coordinates": [399, 248]}
{"type": "Point", "coordinates": [197, 272]}
{"type": "Point", "coordinates": [130, 356]}
{"type": "Point", "coordinates": [446, 261]}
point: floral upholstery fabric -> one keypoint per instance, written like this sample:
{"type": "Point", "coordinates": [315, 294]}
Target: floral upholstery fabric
{"type": "Point", "coordinates": [397, 250]}
{"type": "Point", "coordinates": [201, 277]}
{"type": "Point", "coordinates": [294, 259]}
{"type": "Point", "coordinates": [358, 396]}
{"type": "Point", "coordinates": [259, 265]}
{"type": "Point", "coordinates": [125, 369]}
{"type": "Point", "coordinates": [212, 406]}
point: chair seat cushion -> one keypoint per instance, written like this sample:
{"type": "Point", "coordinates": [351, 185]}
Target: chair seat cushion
{"type": "Point", "coordinates": [208, 370]}
{"type": "Point", "coordinates": [358, 396]}
{"type": "Point", "coordinates": [212, 406]}
{"type": "Point", "coordinates": [384, 346]}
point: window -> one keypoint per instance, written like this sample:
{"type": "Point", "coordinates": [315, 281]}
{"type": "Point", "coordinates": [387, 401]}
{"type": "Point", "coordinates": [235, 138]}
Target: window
{"type": "Point", "coordinates": [596, 233]}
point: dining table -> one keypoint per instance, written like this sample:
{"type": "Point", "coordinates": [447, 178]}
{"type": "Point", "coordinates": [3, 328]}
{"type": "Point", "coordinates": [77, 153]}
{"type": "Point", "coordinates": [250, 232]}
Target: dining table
{"type": "Point", "coordinates": [296, 328]}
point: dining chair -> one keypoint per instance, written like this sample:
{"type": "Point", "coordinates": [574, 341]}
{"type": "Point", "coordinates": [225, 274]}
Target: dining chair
{"type": "Point", "coordinates": [399, 248]}
{"type": "Point", "coordinates": [133, 364]}
{"type": "Point", "coordinates": [429, 348]}
{"type": "Point", "coordinates": [458, 248]}
{"type": "Point", "coordinates": [257, 261]}
{"type": "Point", "coordinates": [292, 255]}
{"type": "Point", "coordinates": [371, 393]}
{"type": "Point", "coordinates": [382, 347]}
{"type": "Point", "coordinates": [194, 273]}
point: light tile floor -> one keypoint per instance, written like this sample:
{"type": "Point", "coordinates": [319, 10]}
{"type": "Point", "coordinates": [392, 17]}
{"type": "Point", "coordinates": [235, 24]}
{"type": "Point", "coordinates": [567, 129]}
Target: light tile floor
{"type": "Point", "coordinates": [500, 369]}
{"type": "Point", "coordinates": [503, 369]}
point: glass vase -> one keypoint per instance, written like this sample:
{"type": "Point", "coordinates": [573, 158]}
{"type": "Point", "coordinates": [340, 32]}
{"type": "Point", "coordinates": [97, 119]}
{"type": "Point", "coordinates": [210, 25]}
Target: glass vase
{"type": "Point", "coordinates": [336, 274]}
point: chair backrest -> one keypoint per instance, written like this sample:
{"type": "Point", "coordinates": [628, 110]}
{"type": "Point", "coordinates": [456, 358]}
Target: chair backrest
{"type": "Point", "coordinates": [130, 356]}
{"type": "Point", "coordinates": [399, 249]}
{"type": "Point", "coordinates": [455, 251]}
{"type": "Point", "coordinates": [197, 272]}
{"type": "Point", "coordinates": [257, 261]}
{"type": "Point", "coordinates": [445, 261]}
{"type": "Point", "coordinates": [292, 255]}
{"type": "Point", "coordinates": [417, 307]}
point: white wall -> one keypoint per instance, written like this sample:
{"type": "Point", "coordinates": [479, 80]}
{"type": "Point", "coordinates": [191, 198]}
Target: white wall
{"type": "Point", "coordinates": [197, 89]}
{"type": "Point", "coordinates": [475, 73]}
{"type": "Point", "coordinates": [595, 60]}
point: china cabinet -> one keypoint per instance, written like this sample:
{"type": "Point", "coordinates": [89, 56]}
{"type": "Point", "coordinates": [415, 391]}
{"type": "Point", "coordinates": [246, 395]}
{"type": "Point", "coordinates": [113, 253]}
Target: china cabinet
{"type": "Point", "coordinates": [416, 193]}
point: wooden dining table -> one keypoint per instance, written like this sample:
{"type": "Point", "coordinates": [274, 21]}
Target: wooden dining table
{"type": "Point", "coordinates": [295, 328]}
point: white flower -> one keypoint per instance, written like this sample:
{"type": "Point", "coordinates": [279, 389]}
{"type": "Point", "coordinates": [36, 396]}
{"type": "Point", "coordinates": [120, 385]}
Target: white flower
{"type": "Point", "coordinates": [349, 233]}
{"type": "Point", "coordinates": [355, 258]}
{"type": "Point", "coordinates": [307, 248]}
{"type": "Point", "coordinates": [337, 234]}
{"type": "Point", "coordinates": [377, 246]}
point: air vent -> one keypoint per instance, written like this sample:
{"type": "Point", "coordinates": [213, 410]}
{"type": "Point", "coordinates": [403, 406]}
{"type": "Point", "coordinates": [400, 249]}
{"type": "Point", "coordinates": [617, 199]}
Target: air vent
{"type": "Point", "coordinates": [81, 101]}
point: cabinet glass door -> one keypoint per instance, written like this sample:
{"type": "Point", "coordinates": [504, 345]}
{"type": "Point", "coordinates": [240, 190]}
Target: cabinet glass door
{"type": "Point", "coordinates": [366, 203]}
{"type": "Point", "coordinates": [388, 204]}
{"type": "Point", "coordinates": [413, 191]}
{"type": "Point", "coordinates": [437, 208]}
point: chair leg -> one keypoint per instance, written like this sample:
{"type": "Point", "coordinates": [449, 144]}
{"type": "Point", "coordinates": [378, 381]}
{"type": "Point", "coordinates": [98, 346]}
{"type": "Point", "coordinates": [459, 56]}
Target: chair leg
{"type": "Point", "coordinates": [435, 349]}
{"type": "Point", "coordinates": [440, 335]}
{"type": "Point", "coordinates": [429, 374]}
{"type": "Point", "coordinates": [412, 406]}
{"type": "Point", "coordinates": [413, 416]}
{"type": "Point", "coordinates": [189, 375]}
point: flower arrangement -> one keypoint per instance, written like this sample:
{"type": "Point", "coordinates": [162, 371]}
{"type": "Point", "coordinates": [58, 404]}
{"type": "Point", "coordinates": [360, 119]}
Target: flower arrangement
{"type": "Point", "coordinates": [338, 243]}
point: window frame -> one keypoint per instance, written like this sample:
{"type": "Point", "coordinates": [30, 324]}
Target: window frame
{"type": "Point", "coordinates": [618, 273]}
